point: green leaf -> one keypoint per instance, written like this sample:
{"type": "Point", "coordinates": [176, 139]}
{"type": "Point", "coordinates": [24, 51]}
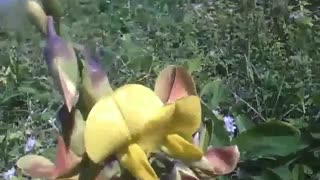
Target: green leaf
{"type": "Point", "coordinates": [283, 172]}
{"type": "Point", "coordinates": [2, 137]}
{"type": "Point", "coordinates": [218, 135]}
{"type": "Point", "coordinates": [193, 64]}
{"type": "Point", "coordinates": [272, 138]}
{"type": "Point", "coordinates": [216, 92]}
{"type": "Point", "coordinates": [268, 175]}
{"type": "Point", "coordinates": [204, 139]}
{"type": "Point", "coordinates": [243, 123]}
{"type": "Point", "coordinates": [298, 172]}
{"type": "Point", "coordinates": [77, 136]}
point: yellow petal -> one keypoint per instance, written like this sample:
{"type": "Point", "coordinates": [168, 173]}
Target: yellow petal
{"type": "Point", "coordinates": [179, 148]}
{"type": "Point", "coordinates": [156, 129]}
{"type": "Point", "coordinates": [105, 131]}
{"type": "Point", "coordinates": [135, 160]}
{"type": "Point", "coordinates": [187, 116]}
{"type": "Point", "coordinates": [138, 105]}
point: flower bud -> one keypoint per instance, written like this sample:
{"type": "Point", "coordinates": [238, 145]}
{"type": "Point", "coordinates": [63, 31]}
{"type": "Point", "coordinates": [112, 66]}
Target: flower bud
{"type": "Point", "coordinates": [62, 64]}
{"type": "Point", "coordinates": [37, 16]}
{"type": "Point", "coordinates": [53, 8]}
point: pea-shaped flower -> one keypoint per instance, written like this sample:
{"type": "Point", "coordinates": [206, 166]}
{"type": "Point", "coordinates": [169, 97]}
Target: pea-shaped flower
{"type": "Point", "coordinates": [133, 122]}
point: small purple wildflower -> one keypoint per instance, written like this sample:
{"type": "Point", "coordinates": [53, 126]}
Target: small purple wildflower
{"type": "Point", "coordinates": [9, 174]}
{"type": "Point", "coordinates": [229, 124]}
{"type": "Point", "coordinates": [29, 144]}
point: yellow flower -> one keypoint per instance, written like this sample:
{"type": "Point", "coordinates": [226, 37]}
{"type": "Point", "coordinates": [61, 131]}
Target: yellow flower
{"type": "Point", "coordinates": [132, 122]}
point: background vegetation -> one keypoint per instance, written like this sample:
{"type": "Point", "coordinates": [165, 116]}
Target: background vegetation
{"type": "Point", "coordinates": [254, 60]}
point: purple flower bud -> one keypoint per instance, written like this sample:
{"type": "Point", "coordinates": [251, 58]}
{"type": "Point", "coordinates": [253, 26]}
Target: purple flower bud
{"type": "Point", "coordinates": [96, 73]}
{"type": "Point", "coordinates": [95, 83]}
{"type": "Point", "coordinates": [29, 144]}
{"type": "Point", "coordinates": [62, 64]}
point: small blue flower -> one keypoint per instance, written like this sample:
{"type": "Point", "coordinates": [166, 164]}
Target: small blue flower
{"type": "Point", "coordinates": [229, 124]}
{"type": "Point", "coordinates": [30, 144]}
{"type": "Point", "coordinates": [9, 174]}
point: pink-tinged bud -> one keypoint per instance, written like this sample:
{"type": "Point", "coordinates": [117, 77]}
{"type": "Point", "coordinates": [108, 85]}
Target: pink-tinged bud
{"type": "Point", "coordinates": [36, 16]}
{"type": "Point", "coordinates": [62, 65]}
{"type": "Point", "coordinates": [53, 8]}
{"type": "Point", "coordinates": [95, 83]}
